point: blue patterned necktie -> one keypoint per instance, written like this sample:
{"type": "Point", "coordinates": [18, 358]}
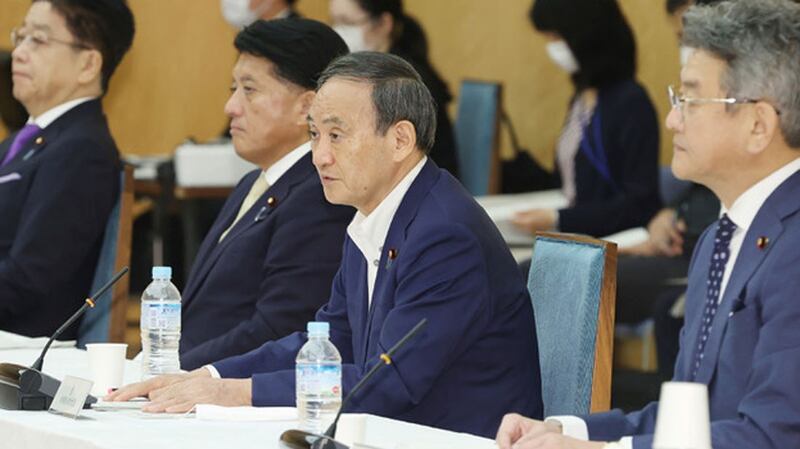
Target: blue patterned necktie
{"type": "Point", "coordinates": [716, 271]}
{"type": "Point", "coordinates": [23, 137]}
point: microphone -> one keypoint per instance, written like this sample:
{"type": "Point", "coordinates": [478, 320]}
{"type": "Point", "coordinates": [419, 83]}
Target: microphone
{"type": "Point", "coordinates": [299, 439]}
{"type": "Point", "coordinates": [24, 388]}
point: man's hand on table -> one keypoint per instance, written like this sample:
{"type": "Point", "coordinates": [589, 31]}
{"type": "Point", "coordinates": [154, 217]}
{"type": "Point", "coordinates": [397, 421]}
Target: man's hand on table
{"type": "Point", "coordinates": [518, 432]}
{"type": "Point", "coordinates": [178, 393]}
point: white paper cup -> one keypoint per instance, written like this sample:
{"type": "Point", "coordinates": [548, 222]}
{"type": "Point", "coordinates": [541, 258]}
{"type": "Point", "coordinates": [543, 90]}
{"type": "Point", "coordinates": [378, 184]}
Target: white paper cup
{"type": "Point", "coordinates": [351, 428]}
{"type": "Point", "coordinates": [107, 365]}
{"type": "Point", "coordinates": [683, 420]}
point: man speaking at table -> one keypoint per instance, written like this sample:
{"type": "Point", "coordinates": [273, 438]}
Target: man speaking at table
{"type": "Point", "coordinates": [418, 247]}
{"type": "Point", "coordinates": [60, 175]}
{"type": "Point", "coordinates": [737, 132]}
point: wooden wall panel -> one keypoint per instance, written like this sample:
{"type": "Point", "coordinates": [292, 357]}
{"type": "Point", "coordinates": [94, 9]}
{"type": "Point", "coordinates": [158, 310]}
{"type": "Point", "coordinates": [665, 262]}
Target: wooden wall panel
{"type": "Point", "coordinates": [174, 83]}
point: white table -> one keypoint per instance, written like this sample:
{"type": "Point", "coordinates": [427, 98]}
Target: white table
{"type": "Point", "coordinates": [134, 430]}
{"type": "Point", "coordinates": [501, 209]}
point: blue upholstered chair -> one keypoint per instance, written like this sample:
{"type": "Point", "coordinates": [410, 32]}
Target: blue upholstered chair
{"type": "Point", "coordinates": [572, 284]}
{"type": "Point", "coordinates": [106, 321]}
{"type": "Point", "coordinates": [477, 135]}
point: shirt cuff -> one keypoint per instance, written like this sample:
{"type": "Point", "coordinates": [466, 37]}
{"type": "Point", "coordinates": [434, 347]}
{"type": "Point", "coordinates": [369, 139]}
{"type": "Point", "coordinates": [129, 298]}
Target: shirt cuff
{"type": "Point", "coordinates": [626, 443]}
{"type": "Point", "coordinates": [572, 426]}
{"type": "Point", "coordinates": [213, 371]}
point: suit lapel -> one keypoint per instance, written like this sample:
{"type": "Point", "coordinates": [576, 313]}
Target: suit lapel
{"type": "Point", "coordinates": [223, 221]}
{"type": "Point", "coordinates": [395, 238]}
{"type": "Point", "coordinates": [767, 223]}
{"type": "Point", "coordinates": [258, 214]}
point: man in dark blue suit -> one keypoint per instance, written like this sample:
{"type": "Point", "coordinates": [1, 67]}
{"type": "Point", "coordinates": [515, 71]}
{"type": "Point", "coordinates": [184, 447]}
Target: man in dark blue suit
{"type": "Point", "coordinates": [59, 175]}
{"type": "Point", "coordinates": [736, 132]}
{"type": "Point", "coordinates": [418, 247]}
{"type": "Point", "coordinates": [267, 263]}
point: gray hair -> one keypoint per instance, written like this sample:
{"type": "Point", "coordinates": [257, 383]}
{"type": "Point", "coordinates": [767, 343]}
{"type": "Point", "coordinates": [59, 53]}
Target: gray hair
{"type": "Point", "coordinates": [760, 42]}
{"type": "Point", "coordinates": [398, 92]}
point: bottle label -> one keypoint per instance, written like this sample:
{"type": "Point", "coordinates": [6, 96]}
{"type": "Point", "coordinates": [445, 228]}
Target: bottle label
{"type": "Point", "coordinates": [321, 380]}
{"type": "Point", "coordinates": [161, 316]}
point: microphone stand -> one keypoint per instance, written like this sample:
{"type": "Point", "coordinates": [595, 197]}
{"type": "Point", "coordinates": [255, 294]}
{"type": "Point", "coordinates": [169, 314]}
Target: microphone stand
{"type": "Point", "coordinates": [29, 388]}
{"type": "Point", "coordinates": [299, 439]}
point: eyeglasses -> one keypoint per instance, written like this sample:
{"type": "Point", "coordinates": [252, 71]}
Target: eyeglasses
{"type": "Point", "coordinates": [37, 38]}
{"type": "Point", "coordinates": [679, 102]}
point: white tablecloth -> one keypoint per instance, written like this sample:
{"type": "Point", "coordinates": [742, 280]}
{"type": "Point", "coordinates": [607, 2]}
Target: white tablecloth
{"type": "Point", "coordinates": [132, 430]}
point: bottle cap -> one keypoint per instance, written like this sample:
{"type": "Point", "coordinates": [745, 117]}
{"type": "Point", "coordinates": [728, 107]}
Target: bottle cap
{"type": "Point", "coordinates": [162, 272]}
{"type": "Point", "coordinates": [318, 328]}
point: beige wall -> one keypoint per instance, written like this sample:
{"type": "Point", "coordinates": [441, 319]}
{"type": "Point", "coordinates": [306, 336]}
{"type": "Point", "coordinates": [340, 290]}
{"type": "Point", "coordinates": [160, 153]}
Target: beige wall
{"type": "Point", "coordinates": [174, 82]}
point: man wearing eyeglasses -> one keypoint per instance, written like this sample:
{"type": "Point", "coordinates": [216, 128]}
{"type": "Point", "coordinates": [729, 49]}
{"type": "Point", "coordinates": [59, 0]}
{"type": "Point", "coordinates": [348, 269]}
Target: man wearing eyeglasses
{"type": "Point", "coordinates": [59, 175]}
{"type": "Point", "coordinates": [736, 124]}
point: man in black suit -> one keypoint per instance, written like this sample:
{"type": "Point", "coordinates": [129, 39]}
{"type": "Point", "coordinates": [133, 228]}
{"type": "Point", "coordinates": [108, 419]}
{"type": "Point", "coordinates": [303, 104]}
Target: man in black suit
{"type": "Point", "coordinates": [268, 261]}
{"type": "Point", "coordinates": [59, 175]}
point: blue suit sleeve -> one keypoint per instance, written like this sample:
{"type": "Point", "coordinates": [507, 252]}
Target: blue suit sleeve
{"type": "Point", "coordinates": [443, 278]}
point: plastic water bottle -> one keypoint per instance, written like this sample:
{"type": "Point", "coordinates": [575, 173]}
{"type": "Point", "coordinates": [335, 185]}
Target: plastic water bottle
{"type": "Point", "coordinates": [160, 325]}
{"type": "Point", "coordinates": [318, 379]}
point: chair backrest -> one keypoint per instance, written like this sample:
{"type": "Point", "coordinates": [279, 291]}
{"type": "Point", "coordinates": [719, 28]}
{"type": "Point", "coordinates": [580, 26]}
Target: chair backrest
{"type": "Point", "coordinates": [572, 283]}
{"type": "Point", "coordinates": [477, 136]}
{"type": "Point", "coordinates": [671, 188]}
{"type": "Point", "coordinates": [106, 321]}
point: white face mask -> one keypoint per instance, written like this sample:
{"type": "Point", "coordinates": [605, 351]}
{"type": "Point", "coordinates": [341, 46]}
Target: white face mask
{"type": "Point", "coordinates": [238, 13]}
{"type": "Point", "coordinates": [686, 52]}
{"type": "Point", "coordinates": [562, 56]}
{"type": "Point", "coordinates": [353, 36]}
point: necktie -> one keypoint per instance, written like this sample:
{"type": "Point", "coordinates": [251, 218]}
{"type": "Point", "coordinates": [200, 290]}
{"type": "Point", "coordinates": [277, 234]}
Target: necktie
{"type": "Point", "coordinates": [259, 187]}
{"type": "Point", "coordinates": [719, 259]}
{"type": "Point", "coordinates": [23, 137]}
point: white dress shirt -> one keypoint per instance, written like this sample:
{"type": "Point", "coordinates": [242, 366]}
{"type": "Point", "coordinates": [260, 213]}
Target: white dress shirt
{"type": "Point", "coordinates": [279, 168]}
{"type": "Point", "coordinates": [742, 212]}
{"type": "Point", "coordinates": [46, 118]}
{"type": "Point", "coordinates": [369, 232]}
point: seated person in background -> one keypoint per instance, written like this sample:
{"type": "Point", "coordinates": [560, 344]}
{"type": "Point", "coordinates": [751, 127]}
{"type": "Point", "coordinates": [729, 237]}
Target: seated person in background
{"type": "Point", "coordinates": [651, 275]}
{"type": "Point", "coordinates": [607, 155]}
{"type": "Point", "coordinates": [381, 25]}
{"type": "Point", "coordinates": [61, 173]}
{"type": "Point", "coordinates": [12, 113]}
{"type": "Point", "coordinates": [240, 13]}
{"type": "Point", "coordinates": [736, 132]}
{"type": "Point", "coordinates": [418, 247]}
{"type": "Point", "coordinates": [268, 261]}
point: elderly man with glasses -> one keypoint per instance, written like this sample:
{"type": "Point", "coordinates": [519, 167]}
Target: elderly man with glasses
{"type": "Point", "coordinates": [59, 175]}
{"type": "Point", "coordinates": [736, 124]}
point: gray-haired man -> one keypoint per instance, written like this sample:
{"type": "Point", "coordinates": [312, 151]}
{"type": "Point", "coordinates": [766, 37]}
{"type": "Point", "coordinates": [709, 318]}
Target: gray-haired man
{"type": "Point", "coordinates": [736, 120]}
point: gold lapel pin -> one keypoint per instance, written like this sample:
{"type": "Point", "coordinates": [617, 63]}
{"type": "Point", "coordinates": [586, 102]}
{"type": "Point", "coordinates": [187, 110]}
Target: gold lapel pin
{"type": "Point", "coordinates": [39, 140]}
{"type": "Point", "coordinates": [762, 242]}
{"type": "Point", "coordinates": [392, 254]}
{"type": "Point", "coordinates": [272, 201]}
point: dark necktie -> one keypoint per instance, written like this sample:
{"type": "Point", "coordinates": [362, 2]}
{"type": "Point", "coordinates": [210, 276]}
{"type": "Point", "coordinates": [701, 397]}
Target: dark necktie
{"type": "Point", "coordinates": [716, 271]}
{"type": "Point", "coordinates": [24, 136]}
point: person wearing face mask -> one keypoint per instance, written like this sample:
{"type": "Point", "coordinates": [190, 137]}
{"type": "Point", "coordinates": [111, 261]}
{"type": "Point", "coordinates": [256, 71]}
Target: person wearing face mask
{"type": "Point", "coordinates": [240, 13]}
{"type": "Point", "coordinates": [607, 154]}
{"type": "Point", "coordinates": [382, 25]}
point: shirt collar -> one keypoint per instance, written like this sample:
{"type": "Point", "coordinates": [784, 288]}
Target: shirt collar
{"type": "Point", "coordinates": [276, 170]}
{"type": "Point", "coordinates": [743, 211]}
{"type": "Point", "coordinates": [46, 118]}
{"type": "Point", "coordinates": [369, 232]}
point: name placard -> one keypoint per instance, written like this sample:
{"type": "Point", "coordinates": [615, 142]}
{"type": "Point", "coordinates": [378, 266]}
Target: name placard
{"type": "Point", "coordinates": [71, 396]}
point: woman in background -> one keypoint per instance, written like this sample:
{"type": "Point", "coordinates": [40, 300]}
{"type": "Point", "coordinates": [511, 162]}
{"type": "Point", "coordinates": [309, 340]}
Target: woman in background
{"type": "Point", "coordinates": [607, 154]}
{"type": "Point", "coordinates": [381, 25]}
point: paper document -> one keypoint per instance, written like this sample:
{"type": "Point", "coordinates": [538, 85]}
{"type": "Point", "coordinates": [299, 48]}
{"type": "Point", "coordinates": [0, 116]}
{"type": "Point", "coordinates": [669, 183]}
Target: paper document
{"type": "Point", "coordinates": [14, 341]}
